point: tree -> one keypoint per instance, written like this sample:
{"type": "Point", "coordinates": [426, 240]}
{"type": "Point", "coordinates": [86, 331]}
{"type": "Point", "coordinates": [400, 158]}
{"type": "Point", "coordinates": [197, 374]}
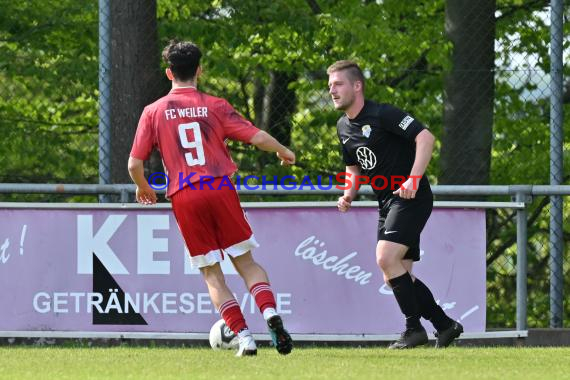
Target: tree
{"type": "Point", "coordinates": [136, 76]}
{"type": "Point", "coordinates": [469, 93]}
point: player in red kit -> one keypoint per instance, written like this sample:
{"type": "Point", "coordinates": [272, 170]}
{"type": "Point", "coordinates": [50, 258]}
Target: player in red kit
{"type": "Point", "coordinates": [190, 128]}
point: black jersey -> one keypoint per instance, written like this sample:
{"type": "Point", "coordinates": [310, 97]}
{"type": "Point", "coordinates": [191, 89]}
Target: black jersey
{"type": "Point", "coordinates": [381, 140]}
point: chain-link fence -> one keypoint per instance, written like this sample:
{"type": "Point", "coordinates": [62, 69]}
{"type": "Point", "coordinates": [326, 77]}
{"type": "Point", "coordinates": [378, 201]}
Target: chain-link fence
{"type": "Point", "coordinates": [478, 73]}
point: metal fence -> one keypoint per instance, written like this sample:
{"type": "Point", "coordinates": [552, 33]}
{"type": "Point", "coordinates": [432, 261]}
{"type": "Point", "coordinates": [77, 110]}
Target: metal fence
{"type": "Point", "coordinates": [486, 76]}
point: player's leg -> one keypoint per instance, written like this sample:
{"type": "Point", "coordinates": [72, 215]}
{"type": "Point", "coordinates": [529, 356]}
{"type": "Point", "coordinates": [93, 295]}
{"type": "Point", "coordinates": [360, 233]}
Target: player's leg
{"type": "Point", "coordinates": [389, 256]}
{"type": "Point", "coordinates": [447, 329]}
{"type": "Point", "coordinates": [197, 223]}
{"type": "Point", "coordinates": [400, 224]}
{"type": "Point", "coordinates": [257, 282]}
{"type": "Point", "coordinates": [229, 309]}
{"type": "Point", "coordinates": [235, 235]}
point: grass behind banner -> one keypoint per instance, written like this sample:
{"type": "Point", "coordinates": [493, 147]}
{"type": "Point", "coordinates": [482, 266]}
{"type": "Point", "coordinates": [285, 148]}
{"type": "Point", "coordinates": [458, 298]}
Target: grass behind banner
{"type": "Point", "coordinates": [304, 363]}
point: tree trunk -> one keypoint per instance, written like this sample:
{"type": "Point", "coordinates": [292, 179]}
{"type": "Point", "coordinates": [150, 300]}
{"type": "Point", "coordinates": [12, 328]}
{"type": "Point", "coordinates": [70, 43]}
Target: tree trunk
{"type": "Point", "coordinates": [469, 93]}
{"type": "Point", "coordinates": [279, 103]}
{"type": "Point", "coordinates": [136, 76]}
{"type": "Point", "coordinates": [274, 106]}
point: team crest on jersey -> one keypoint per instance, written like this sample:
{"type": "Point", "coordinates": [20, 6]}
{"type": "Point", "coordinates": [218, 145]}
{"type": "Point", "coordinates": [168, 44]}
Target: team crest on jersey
{"type": "Point", "coordinates": [366, 130]}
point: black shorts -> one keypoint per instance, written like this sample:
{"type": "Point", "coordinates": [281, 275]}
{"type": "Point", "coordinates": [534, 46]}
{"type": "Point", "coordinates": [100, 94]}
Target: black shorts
{"type": "Point", "coordinates": [402, 221]}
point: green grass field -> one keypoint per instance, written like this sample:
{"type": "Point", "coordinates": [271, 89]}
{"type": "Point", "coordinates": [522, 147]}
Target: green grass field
{"type": "Point", "coordinates": [304, 363]}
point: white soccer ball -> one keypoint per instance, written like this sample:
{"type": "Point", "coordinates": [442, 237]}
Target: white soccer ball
{"type": "Point", "coordinates": [222, 338]}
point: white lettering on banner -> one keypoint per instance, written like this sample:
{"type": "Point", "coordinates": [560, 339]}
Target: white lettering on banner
{"type": "Point", "coordinates": [282, 300]}
{"type": "Point", "coordinates": [186, 300]}
{"type": "Point", "coordinates": [92, 303]}
{"type": "Point", "coordinates": [147, 244]}
{"type": "Point", "coordinates": [113, 303]}
{"type": "Point", "coordinates": [150, 302]}
{"type": "Point", "coordinates": [447, 305]}
{"type": "Point", "coordinates": [244, 301]}
{"type": "Point", "coordinates": [87, 244]}
{"type": "Point", "coordinates": [204, 300]}
{"type": "Point", "coordinates": [22, 237]}
{"type": "Point", "coordinates": [168, 299]}
{"type": "Point", "coordinates": [340, 267]}
{"type": "Point", "coordinates": [77, 296]}
{"type": "Point", "coordinates": [4, 256]}
{"type": "Point", "coordinates": [155, 303]}
{"type": "Point", "coordinates": [59, 301]}
{"type": "Point", "coordinates": [385, 289]}
{"type": "Point", "coordinates": [307, 249]}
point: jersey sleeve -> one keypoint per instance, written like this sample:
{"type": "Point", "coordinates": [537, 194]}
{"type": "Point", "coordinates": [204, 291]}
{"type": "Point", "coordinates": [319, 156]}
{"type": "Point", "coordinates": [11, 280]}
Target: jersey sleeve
{"type": "Point", "coordinates": [235, 126]}
{"type": "Point", "coordinates": [348, 161]}
{"type": "Point", "coordinates": [400, 123]}
{"type": "Point", "coordinates": [345, 156]}
{"type": "Point", "coordinates": [144, 137]}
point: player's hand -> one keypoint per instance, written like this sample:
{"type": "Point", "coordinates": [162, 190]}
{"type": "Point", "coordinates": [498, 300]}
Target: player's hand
{"type": "Point", "coordinates": [146, 195]}
{"type": "Point", "coordinates": [407, 190]}
{"type": "Point", "coordinates": [344, 203]}
{"type": "Point", "coordinates": [287, 157]}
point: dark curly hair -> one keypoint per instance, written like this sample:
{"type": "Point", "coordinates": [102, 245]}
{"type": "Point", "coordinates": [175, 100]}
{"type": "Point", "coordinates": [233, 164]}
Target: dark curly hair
{"type": "Point", "coordinates": [183, 59]}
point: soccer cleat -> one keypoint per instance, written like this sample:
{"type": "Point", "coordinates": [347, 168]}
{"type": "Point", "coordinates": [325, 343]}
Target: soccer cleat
{"type": "Point", "coordinates": [445, 337]}
{"type": "Point", "coordinates": [247, 346]}
{"type": "Point", "coordinates": [410, 338]}
{"type": "Point", "coordinates": [280, 337]}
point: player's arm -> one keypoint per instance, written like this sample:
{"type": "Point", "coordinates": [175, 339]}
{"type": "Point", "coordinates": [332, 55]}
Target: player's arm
{"type": "Point", "coordinates": [424, 149]}
{"type": "Point", "coordinates": [344, 202]}
{"type": "Point", "coordinates": [145, 194]}
{"type": "Point", "coordinates": [264, 141]}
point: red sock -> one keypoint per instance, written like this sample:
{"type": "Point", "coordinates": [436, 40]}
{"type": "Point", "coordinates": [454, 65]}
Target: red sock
{"type": "Point", "coordinates": [232, 315]}
{"type": "Point", "coordinates": [263, 296]}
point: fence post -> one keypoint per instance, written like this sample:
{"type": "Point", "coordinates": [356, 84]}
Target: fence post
{"type": "Point", "coordinates": [556, 165]}
{"type": "Point", "coordinates": [104, 95]}
{"type": "Point", "coordinates": [522, 237]}
{"type": "Point", "coordinates": [124, 195]}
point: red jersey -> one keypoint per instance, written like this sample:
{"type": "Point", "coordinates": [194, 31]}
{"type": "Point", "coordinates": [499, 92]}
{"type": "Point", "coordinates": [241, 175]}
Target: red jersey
{"type": "Point", "coordinates": [189, 129]}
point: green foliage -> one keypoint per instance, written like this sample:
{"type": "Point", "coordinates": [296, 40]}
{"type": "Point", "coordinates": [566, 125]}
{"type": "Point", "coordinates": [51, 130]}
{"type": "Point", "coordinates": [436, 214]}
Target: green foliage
{"type": "Point", "coordinates": [48, 91]}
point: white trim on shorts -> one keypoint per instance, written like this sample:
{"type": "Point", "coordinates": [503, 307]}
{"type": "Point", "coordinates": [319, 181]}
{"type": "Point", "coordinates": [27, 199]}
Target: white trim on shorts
{"type": "Point", "coordinates": [215, 255]}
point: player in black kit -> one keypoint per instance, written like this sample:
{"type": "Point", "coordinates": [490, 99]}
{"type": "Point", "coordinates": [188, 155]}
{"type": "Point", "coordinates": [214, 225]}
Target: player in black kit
{"type": "Point", "coordinates": [392, 149]}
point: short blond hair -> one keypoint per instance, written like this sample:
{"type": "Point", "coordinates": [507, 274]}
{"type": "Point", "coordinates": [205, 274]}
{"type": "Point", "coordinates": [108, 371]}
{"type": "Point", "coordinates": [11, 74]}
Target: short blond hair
{"type": "Point", "coordinates": [353, 70]}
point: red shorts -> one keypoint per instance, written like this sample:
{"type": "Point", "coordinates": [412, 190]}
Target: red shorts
{"type": "Point", "coordinates": [212, 222]}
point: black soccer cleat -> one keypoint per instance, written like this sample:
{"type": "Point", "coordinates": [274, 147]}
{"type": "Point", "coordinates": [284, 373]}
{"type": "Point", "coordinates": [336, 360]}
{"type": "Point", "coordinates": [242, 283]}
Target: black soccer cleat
{"type": "Point", "coordinates": [410, 338]}
{"type": "Point", "coordinates": [445, 337]}
{"type": "Point", "coordinates": [280, 337]}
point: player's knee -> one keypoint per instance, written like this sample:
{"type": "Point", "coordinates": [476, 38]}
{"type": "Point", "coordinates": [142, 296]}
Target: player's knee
{"type": "Point", "coordinates": [246, 265]}
{"type": "Point", "coordinates": [385, 261]}
{"type": "Point", "coordinates": [214, 278]}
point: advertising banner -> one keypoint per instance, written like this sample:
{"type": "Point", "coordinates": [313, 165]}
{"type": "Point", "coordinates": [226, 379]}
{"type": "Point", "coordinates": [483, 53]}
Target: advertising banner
{"type": "Point", "coordinates": [95, 269]}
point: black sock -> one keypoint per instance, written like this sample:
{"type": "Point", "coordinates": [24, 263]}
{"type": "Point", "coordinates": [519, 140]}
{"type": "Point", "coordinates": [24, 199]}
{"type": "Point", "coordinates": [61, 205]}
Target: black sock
{"type": "Point", "coordinates": [429, 309]}
{"type": "Point", "coordinates": [404, 291]}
